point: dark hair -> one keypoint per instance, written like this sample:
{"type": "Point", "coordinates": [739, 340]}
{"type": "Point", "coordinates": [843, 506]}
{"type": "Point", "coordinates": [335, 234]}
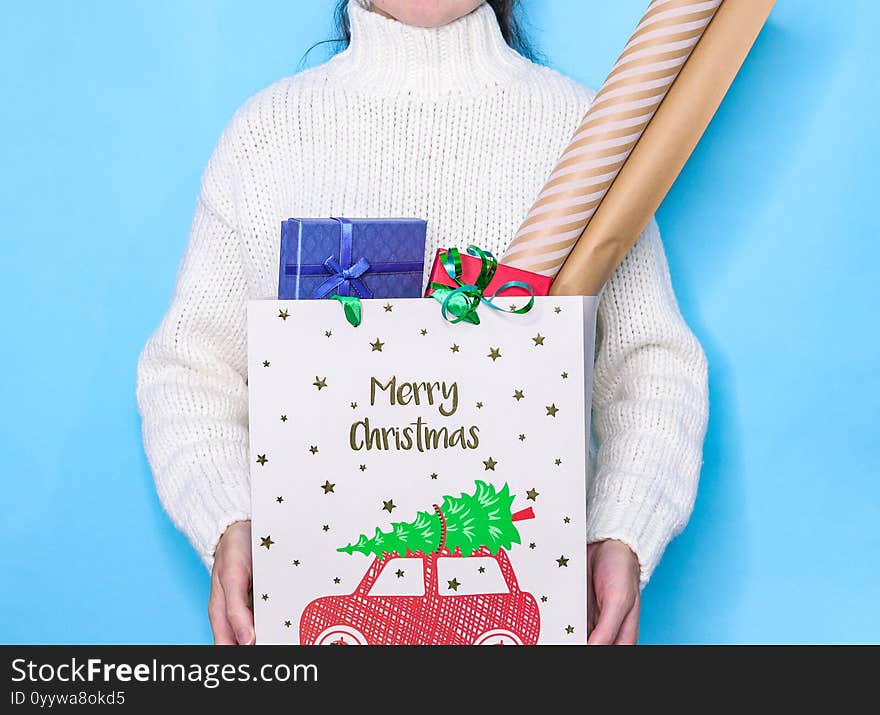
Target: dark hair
{"type": "Point", "coordinates": [507, 12]}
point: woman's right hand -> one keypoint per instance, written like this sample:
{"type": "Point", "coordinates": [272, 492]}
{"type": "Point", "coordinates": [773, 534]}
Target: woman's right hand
{"type": "Point", "coordinates": [230, 606]}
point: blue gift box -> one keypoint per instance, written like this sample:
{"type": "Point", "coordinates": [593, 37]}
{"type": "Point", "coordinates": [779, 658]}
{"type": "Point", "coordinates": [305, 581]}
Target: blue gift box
{"type": "Point", "coordinates": [368, 258]}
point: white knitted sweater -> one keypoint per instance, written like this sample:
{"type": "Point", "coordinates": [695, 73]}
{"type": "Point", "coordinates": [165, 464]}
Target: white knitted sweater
{"type": "Point", "coordinates": [451, 125]}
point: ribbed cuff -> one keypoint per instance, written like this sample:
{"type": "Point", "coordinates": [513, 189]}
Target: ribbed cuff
{"type": "Point", "coordinates": [205, 513]}
{"type": "Point", "coordinates": [618, 508]}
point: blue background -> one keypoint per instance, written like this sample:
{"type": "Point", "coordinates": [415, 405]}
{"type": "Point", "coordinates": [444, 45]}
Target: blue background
{"type": "Point", "coordinates": [110, 111]}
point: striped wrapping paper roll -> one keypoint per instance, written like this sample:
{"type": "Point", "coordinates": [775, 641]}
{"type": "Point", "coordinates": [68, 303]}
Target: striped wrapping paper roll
{"type": "Point", "coordinates": [637, 84]}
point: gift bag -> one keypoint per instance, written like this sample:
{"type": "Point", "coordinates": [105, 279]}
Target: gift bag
{"type": "Point", "coordinates": [417, 481]}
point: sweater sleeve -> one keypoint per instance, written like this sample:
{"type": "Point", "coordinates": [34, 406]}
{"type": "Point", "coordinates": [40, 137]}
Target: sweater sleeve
{"type": "Point", "coordinates": [650, 408]}
{"type": "Point", "coordinates": [191, 379]}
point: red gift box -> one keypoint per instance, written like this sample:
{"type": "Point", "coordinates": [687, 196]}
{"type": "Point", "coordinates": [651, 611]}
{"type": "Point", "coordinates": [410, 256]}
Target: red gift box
{"type": "Point", "coordinates": [470, 270]}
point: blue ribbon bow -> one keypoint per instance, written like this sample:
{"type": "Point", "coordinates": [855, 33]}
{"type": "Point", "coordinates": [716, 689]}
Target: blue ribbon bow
{"type": "Point", "coordinates": [345, 278]}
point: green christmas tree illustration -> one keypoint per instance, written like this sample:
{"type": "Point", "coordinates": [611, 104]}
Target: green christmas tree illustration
{"type": "Point", "coordinates": [464, 523]}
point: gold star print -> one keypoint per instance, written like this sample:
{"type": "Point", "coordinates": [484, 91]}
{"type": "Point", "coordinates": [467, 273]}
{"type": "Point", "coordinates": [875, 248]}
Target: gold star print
{"type": "Point", "coordinates": [518, 395]}
{"type": "Point", "coordinates": [543, 599]}
{"type": "Point", "coordinates": [388, 307]}
{"type": "Point", "coordinates": [454, 584]}
{"type": "Point", "coordinates": [522, 438]}
{"type": "Point", "coordinates": [389, 505]}
{"type": "Point", "coordinates": [283, 314]}
{"type": "Point", "coordinates": [433, 475]}
{"type": "Point", "coordinates": [567, 520]}
{"type": "Point", "coordinates": [320, 382]}
{"type": "Point", "coordinates": [327, 487]}
{"type": "Point", "coordinates": [284, 418]}
{"type": "Point", "coordinates": [399, 573]}
{"type": "Point", "coordinates": [569, 629]}
{"type": "Point", "coordinates": [265, 363]}
{"type": "Point", "coordinates": [552, 410]}
{"type": "Point", "coordinates": [279, 499]}
{"type": "Point", "coordinates": [455, 348]}
{"type": "Point", "coordinates": [557, 461]}
{"type": "Point", "coordinates": [482, 569]}
{"type": "Point", "coordinates": [557, 310]}
{"type": "Point", "coordinates": [539, 339]}
{"type": "Point", "coordinates": [261, 460]}
{"type": "Point", "coordinates": [424, 331]}
{"type": "Point", "coordinates": [532, 495]}
{"type": "Point", "coordinates": [532, 545]}
{"type": "Point", "coordinates": [354, 405]}
{"type": "Point", "coordinates": [565, 376]}
{"type": "Point", "coordinates": [363, 467]}
{"type": "Point", "coordinates": [377, 346]}
{"type": "Point", "coordinates": [265, 596]}
{"type": "Point", "coordinates": [490, 464]}
{"type": "Point", "coordinates": [266, 541]}
{"type": "Point", "coordinates": [337, 580]}
{"type": "Point", "coordinates": [479, 405]}
{"type": "Point", "coordinates": [562, 561]}
{"type": "Point", "coordinates": [328, 333]}
{"type": "Point", "coordinates": [287, 624]}
{"type": "Point", "coordinates": [326, 527]}
{"type": "Point", "coordinates": [296, 562]}
{"type": "Point", "coordinates": [313, 449]}
{"type": "Point", "coordinates": [494, 353]}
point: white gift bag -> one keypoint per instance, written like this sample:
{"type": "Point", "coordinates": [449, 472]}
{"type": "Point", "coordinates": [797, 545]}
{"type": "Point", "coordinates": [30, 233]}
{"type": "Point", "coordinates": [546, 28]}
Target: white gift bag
{"type": "Point", "coordinates": [416, 481]}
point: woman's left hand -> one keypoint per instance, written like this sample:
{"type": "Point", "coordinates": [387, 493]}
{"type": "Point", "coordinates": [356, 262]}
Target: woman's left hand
{"type": "Point", "coordinates": [613, 594]}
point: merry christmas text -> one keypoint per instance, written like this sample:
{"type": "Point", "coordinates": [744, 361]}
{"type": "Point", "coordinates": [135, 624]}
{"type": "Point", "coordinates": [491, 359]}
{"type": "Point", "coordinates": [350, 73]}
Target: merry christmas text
{"type": "Point", "coordinates": [415, 435]}
{"type": "Point", "coordinates": [404, 393]}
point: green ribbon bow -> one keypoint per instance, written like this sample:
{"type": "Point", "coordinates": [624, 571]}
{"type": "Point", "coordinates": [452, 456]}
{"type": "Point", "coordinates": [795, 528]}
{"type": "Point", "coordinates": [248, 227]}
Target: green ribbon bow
{"type": "Point", "coordinates": [462, 302]}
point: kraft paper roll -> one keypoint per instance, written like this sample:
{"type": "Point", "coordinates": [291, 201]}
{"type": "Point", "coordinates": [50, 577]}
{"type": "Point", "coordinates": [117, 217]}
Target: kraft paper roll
{"type": "Point", "coordinates": [636, 86]}
{"type": "Point", "coordinates": [664, 147]}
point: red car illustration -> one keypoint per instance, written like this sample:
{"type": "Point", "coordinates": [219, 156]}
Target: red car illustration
{"type": "Point", "coordinates": [423, 599]}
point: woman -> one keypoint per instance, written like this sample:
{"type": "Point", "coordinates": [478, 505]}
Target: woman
{"type": "Point", "coordinates": [430, 111]}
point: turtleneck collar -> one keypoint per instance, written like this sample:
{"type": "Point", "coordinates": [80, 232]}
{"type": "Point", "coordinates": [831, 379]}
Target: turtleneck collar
{"type": "Point", "coordinates": [467, 56]}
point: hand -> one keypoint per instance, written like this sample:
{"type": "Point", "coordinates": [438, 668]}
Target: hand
{"type": "Point", "coordinates": [613, 594]}
{"type": "Point", "coordinates": [230, 606]}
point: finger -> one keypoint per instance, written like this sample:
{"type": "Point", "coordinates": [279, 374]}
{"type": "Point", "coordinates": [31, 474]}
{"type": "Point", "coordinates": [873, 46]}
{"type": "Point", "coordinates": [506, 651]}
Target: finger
{"type": "Point", "coordinates": [592, 605]}
{"type": "Point", "coordinates": [241, 618]}
{"type": "Point", "coordinates": [613, 609]}
{"type": "Point", "coordinates": [220, 627]}
{"type": "Point", "coordinates": [629, 629]}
